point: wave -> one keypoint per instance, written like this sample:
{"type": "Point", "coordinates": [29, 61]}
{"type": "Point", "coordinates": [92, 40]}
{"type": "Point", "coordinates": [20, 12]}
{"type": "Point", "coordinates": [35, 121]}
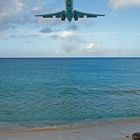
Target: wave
{"type": "Point", "coordinates": [64, 127]}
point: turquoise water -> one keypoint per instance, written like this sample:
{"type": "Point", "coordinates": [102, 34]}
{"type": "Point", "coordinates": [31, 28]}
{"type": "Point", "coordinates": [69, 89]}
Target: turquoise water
{"type": "Point", "coordinates": [55, 92]}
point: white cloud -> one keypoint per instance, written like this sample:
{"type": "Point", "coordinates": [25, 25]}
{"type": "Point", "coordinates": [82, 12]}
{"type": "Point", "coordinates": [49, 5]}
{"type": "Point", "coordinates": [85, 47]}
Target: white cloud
{"type": "Point", "coordinates": [124, 3]}
{"type": "Point", "coordinates": [91, 49]}
{"type": "Point", "coordinates": [46, 32]}
{"type": "Point", "coordinates": [14, 13]}
{"type": "Point", "coordinates": [9, 13]}
{"type": "Point", "coordinates": [19, 5]}
{"type": "Point", "coordinates": [37, 9]}
{"type": "Point", "coordinates": [67, 34]}
{"type": "Point", "coordinates": [91, 46]}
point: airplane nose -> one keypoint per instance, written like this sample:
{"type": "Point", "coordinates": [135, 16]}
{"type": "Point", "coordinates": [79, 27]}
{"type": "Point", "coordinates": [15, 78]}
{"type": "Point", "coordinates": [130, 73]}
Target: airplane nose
{"type": "Point", "coordinates": [70, 19]}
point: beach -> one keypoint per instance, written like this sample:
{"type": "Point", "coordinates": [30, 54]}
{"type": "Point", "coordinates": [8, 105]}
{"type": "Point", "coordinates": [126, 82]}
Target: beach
{"type": "Point", "coordinates": [108, 130]}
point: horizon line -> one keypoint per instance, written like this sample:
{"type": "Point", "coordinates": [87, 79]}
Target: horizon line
{"type": "Point", "coordinates": [68, 57]}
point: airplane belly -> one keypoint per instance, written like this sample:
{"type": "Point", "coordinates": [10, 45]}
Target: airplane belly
{"type": "Point", "coordinates": [69, 15]}
{"type": "Point", "coordinates": [69, 10]}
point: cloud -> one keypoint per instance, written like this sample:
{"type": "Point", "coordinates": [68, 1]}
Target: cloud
{"type": "Point", "coordinates": [36, 9]}
{"type": "Point", "coordinates": [72, 27]}
{"type": "Point", "coordinates": [68, 48]}
{"type": "Point", "coordinates": [124, 3]}
{"type": "Point", "coordinates": [75, 49]}
{"type": "Point", "coordinates": [67, 34]}
{"type": "Point", "coordinates": [46, 30]}
{"type": "Point", "coordinates": [19, 5]}
{"type": "Point", "coordinates": [14, 13]}
{"type": "Point", "coordinates": [91, 49]}
{"type": "Point", "coordinates": [91, 46]}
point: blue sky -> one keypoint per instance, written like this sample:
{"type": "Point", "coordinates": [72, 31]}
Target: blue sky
{"type": "Point", "coordinates": [23, 35]}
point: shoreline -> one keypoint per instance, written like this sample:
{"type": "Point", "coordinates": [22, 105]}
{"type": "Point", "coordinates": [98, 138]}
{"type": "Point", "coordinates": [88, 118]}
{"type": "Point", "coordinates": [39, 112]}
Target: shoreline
{"type": "Point", "coordinates": [106, 130]}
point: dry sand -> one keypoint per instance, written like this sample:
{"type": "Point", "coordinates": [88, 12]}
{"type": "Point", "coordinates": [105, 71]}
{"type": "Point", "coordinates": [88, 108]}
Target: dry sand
{"type": "Point", "coordinates": [116, 130]}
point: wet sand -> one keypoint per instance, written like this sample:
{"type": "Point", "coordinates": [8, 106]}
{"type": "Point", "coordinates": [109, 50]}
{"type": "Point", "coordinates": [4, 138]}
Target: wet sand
{"type": "Point", "coordinates": [111, 130]}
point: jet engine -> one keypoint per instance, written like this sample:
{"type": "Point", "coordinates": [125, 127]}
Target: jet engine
{"type": "Point", "coordinates": [63, 17]}
{"type": "Point", "coordinates": [76, 18]}
{"type": "Point", "coordinates": [75, 15]}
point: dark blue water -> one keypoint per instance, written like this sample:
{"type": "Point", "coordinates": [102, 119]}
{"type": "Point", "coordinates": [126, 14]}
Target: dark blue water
{"type": "Point", "coordinates": [50, 92]}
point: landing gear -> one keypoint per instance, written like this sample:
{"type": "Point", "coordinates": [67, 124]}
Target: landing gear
{"type": "Point", "coordinates": [75, 18]}
{"type": "Point", "coordinates": [75, 15]}
{"type": "Point", "coordinates": [63, 18]}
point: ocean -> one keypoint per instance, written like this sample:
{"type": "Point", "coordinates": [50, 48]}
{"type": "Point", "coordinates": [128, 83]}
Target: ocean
{"type": "Point", "coordinates": [50, 92]}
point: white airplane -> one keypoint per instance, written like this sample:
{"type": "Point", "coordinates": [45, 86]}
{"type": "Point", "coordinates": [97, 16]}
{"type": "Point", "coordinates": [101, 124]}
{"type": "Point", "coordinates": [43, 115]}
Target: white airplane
{"type": "Point", "coordinates": [69, 13]}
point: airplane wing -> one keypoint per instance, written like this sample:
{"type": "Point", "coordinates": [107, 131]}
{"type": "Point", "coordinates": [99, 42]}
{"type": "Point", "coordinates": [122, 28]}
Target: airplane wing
{"type": "Point", "coordinates": [57, 15]}
{"type": "Point", "coordinates": [88, 15]}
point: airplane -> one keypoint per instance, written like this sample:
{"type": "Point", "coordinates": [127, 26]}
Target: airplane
{"type": "Point", "coordinates": [69, 13]}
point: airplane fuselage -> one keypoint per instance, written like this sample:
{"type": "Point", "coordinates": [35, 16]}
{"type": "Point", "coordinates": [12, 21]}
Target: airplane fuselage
{"type": "Point", "coordinates": [69, 9]}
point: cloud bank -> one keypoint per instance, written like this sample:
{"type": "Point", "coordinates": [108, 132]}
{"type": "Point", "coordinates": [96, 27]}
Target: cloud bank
{"type": "Point", "coordinates": [14, 13]}
{"type": "Point", "coordinates": [117, 4]}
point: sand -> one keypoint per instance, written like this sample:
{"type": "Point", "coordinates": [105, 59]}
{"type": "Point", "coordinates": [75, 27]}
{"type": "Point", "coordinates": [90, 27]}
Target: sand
{"type": "Point", "coordinates": [109, 130]}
